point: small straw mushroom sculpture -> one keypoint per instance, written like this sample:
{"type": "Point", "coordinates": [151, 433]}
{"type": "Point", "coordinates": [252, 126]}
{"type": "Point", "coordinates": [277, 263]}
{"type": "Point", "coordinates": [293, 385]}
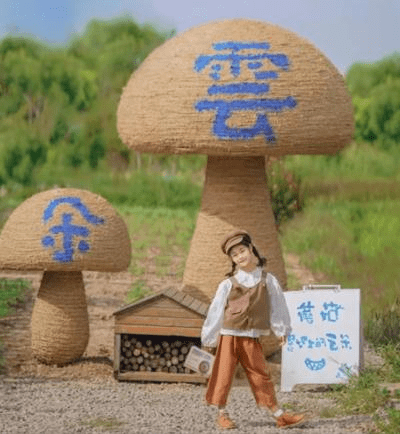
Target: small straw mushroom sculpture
{"type": "Point", "coordinates": [239, 91]}
{"type": "Point", "coordinates": [62, 232]}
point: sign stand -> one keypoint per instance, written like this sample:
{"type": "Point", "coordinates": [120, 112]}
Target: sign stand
{"type": "Point", "coordinates": [324, 346]}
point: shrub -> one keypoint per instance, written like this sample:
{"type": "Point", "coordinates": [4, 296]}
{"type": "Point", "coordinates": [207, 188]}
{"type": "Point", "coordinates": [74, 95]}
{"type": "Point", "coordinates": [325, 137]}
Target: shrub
{"type": "Point", "coordinates": [383, 328]}
{"type": "Point", "coordinates": [285, 190]}
{"type": "Point", "coordinates": [20, 153]}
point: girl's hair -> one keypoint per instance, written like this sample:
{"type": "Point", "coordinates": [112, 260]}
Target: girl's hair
{"type": "Point", "coordinates": [247, 243]}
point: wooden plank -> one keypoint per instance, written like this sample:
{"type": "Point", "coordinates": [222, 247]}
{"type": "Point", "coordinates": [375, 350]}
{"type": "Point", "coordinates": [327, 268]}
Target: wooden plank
{"type": "Point", "coordinates": [117, 352]}
{"type": "Point", "coordinates": [196, 304]}
{"type": "Point", "coordinates": [203, 310]}
{"type": "Point", "coordinates": [161, 321]}
{"type": "Point", "coordinates": [170, 292]}
{"type": "Point", "coordinates": [160, 313]}
{"type": "Point", "coordinates": [162, 331]}
{"type": "Point", "coordinates": [162, 302]}
{"type": "Point", "coordinates": [158, 300]}
{"type": "Point", "coordinates": [161, 377]}
{"type": "Point", "coordinates": [187, 300]}
{"type": "Point", "coordinates": [179, 296]}
{"type": "Point", "coordinates": [200, 307]}
{"type": "Point", "coordinates": [143, 302]}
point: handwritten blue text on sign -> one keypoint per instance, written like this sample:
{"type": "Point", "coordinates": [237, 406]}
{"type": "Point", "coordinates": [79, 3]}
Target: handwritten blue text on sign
{"type": "Point", "coordinates": [324, 344]}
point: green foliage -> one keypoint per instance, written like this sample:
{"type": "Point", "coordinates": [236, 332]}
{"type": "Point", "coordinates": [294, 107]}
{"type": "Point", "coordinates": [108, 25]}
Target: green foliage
{"type": "Point", "coordinates": [348, 230]}
{"type": "Point", "coordinates": [115, 48]}
{"type": "Point", "coordinates": [391, 354]}
{"type": "Point", "coordinates": [383, 328]}
{"type": "Point", "coordinates": [149, 190]}
{"type": "Point", "coordinates": [375, 89]}
{"type": "Point", "coordinates": [12, 292]}
{"type": "Point", "coordinates": [160, 239]}
{"type": "Point", "coordinates": [20, 152]}
{"type": "Point", "coordinates": [137, 291]}
{"type": "Point", "coordinates": [354, 244]}
{"type": "Point", "coordinates": [363, 77]}
{"type": "Point", "coordinates": [391, 426]}
{"type": "Point", "coordinates": [367, 393]}
{"type": "Point", "coordinates": [285, 190]}
{"type": "Point", "coordinates": [358, 163]}
{"type": "Point", "coordinates": [65, 98]}
{"type": "Point", "coordinates": [362, 394]}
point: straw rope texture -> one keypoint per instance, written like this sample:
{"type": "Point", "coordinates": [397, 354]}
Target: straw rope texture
{"type": "Point", "coordinates": [270, 344]}
{"type": "Point", "coordinates": [65, 229]}
{"type": "Point", "coordinates": [235, 197]}
{"type": "Point", "coordinates": [282, 96]}
{"type": "Point", "coordinates": [60, 326]}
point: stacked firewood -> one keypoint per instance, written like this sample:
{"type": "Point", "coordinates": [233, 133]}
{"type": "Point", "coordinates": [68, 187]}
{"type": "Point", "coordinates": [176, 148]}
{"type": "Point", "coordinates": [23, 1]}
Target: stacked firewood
{"type": "Point", "coordinates": [154, 355]}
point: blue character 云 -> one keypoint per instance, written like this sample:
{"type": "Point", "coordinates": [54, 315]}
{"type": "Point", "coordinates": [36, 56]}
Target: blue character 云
{"type": "Point", "coordinates": [236, 54]}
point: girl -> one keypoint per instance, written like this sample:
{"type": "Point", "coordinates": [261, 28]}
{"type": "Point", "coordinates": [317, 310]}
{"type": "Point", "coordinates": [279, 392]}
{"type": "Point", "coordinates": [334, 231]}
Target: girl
{"type": "Point", "coordinates": [246, 306]}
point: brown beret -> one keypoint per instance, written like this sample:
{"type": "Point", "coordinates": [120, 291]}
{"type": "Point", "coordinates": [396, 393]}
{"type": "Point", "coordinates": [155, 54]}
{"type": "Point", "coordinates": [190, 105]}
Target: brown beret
{"type": "Point", "coordinates": [233, 239]}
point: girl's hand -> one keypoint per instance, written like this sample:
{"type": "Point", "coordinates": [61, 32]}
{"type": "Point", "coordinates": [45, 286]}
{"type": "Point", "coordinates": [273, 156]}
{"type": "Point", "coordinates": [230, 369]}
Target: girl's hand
{"type": "Point", "coordinates": [211, 350]}
{"type": "Point", "coordinates": [282, 341]}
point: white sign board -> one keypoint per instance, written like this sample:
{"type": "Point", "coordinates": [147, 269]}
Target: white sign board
{"type": "Point", "coordinates": [324, 344]}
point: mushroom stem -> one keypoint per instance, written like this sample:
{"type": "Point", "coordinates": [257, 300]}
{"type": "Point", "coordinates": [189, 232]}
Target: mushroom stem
{"type": "Point", "coordinates": [60, 324]}
{"type": "Point", "coordinates": [235, 196]}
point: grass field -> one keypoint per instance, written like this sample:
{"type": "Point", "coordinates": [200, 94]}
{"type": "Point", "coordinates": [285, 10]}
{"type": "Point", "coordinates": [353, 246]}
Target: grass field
{"type": "Point", "coordinates": [161, 233]}
{"type": "Point", "coordinates": [349, 228]}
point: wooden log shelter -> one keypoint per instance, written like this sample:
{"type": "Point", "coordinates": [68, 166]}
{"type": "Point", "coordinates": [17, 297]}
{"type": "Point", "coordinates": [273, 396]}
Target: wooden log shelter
{"type": "Point", "coordinates": [154, 335]}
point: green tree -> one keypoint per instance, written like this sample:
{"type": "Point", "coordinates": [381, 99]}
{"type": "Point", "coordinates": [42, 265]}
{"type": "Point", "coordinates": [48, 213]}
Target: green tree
{"type": "Point", "coordinates": [60, 103]}
{"type": "Point", "coordinates": [376, 97]}
{"type": "Point", "coordinates": [20, 153]}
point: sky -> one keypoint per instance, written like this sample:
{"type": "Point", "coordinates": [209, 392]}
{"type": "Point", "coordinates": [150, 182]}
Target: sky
{"type": "Point", "coordinates": [346, 31]}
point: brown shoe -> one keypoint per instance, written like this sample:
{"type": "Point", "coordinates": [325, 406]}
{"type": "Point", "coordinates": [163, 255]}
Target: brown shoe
{"type": "Point", "coordinates": [287, 420]}
{"type": "Point", "coordinates": [225, 422]}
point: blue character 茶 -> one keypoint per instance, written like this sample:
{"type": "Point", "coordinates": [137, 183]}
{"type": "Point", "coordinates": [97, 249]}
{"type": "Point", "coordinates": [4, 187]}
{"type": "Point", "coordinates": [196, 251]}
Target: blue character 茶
{"type": "Point", "coordinates": [237, 55]}
{"type": "Point", "coordinates": [345, 342]}
{"type": "Point", "coordinates": [67, 229]}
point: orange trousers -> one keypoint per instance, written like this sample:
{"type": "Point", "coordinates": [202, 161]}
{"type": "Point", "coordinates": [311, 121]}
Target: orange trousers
{"type": "Point", "coordinates": [248, 352]}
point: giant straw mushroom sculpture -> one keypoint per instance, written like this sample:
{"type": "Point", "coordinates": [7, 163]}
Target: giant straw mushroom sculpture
{"type": "Point", "coordinates": [62, 232]}
{"type": "Point", "coordinates": [237, 90]}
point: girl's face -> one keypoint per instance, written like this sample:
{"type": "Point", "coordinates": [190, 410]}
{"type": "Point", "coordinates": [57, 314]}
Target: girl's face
{"type": "Point", "coordinates": [243, 257]}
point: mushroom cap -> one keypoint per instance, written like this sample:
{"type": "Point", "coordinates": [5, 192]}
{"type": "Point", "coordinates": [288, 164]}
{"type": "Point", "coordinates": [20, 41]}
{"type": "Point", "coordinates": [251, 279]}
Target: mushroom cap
{"type": "Point", "coordinates": [236, 87]}
{"type": "Point", "coordinates": [65, 229]}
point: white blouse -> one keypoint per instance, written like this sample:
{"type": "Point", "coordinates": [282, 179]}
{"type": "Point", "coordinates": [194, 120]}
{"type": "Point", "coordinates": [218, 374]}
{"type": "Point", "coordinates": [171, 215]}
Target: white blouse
{"type": "Point", "coordinates": [279, 314]}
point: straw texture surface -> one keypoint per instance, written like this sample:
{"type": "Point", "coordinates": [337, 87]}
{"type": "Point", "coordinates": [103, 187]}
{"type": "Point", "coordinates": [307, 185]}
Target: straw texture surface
{"type": "Point", "coordinates": [235, 197]}
{"type": "Point", "coordinates": [65, 229]}
{"type": "Point", "coordinates": [270, 344]}
{"type": "Point", "coordinates": [60, 326]}
{"type": "Point", "coordinates": [236, 87]}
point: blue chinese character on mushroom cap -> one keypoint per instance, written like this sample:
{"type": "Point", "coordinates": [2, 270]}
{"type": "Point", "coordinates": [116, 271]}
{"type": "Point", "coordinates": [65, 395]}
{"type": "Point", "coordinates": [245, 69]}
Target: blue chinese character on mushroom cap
{"type": "Point", "coordinates": [250, 97]}
{"type": "Point", "coordinates": [68, 230]}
